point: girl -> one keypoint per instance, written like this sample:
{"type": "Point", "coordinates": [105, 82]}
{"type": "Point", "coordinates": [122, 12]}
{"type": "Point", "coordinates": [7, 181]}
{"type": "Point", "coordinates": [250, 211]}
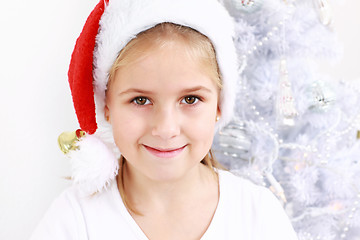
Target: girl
{"type": "Point", "coordinates": [163, 73]}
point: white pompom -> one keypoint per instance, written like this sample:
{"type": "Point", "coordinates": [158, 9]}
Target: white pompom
{"type": "Point", "coordinates": [94, 165]}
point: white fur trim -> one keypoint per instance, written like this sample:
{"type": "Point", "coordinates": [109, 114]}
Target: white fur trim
{"type": "Point", "coordinates": [94, 166]}
{"type": "Point", "coordinates": [124, 19]}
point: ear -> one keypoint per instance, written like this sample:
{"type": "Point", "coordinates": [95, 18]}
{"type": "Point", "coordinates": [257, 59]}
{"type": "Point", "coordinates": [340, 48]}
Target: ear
{"type": "Point", "coordinates": [107, 114]}
{"type": "Point", "coordinates": [218, 112]}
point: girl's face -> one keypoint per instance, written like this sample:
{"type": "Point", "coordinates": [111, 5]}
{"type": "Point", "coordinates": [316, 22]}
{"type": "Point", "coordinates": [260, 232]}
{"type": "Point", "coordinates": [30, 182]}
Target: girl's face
{"type": "Point", "coordinates": [163, 109]}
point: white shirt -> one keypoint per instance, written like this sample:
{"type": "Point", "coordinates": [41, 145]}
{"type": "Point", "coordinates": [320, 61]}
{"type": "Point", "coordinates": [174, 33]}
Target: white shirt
{"type": "Point", "coordinates": [245, 212]}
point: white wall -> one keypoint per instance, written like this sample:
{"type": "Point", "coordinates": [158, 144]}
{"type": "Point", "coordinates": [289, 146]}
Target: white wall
{"type": "Point", "coordinates": [37, 38]}
{"type": "Point", "coordinates": [36, 41]}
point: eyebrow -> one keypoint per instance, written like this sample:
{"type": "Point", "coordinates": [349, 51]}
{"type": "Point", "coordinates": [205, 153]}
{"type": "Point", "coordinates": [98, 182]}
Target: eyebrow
{"type": "Point", "coordinates": [141, 91]}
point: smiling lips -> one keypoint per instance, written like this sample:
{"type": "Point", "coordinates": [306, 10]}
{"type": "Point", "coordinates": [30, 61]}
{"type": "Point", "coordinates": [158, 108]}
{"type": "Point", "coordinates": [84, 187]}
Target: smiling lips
{"type": "Point", "coordinates": [165, 153]}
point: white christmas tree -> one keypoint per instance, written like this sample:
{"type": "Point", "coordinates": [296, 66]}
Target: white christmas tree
{"type": "Point", "coordinates": [296, 130]}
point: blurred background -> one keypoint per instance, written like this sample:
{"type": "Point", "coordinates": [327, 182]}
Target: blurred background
{"type": "Point", "coordinates": [37, 38]}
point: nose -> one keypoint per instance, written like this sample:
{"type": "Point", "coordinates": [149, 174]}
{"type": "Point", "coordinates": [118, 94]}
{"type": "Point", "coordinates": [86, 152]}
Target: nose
{"type": "Point", "coordinates": [166, 123]}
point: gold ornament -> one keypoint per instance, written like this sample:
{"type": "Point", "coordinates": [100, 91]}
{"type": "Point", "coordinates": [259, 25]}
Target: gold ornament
{"type": "Point", "coordinates": [67, 140]}
{"type": "Point", "coordinates": [358, 134]}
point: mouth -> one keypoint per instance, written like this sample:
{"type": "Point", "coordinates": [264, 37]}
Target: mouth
{"type": "Point", "coordinates": [164, 153]}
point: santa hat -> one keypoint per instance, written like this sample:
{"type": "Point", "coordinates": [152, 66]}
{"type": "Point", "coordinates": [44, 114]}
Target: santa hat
{"type": "Point", "coordinates": [110, 26]}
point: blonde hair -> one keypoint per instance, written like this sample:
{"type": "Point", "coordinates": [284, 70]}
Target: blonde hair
{"type": "Point", "coordinates": [198, 47]}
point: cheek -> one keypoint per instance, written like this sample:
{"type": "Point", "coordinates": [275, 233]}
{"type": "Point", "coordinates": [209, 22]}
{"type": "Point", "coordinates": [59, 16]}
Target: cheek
{"type": "Point", "coordinates": [127, 128]}
{"type": "Point", "coordinates": [202, 126]}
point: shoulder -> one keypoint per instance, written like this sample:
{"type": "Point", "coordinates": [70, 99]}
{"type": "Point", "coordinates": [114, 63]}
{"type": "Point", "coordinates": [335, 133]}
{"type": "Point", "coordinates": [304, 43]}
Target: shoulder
{"type": "Point", "coordinates": [241, 192]}
{"type": "Point", "coordinates": [69, 214]}
{"type": "Point", "coordinates": [248, 203]}
{"type": "Point", "coordinates": [62, 219]}
{"type": "Point", "coordinates": [240, 186]}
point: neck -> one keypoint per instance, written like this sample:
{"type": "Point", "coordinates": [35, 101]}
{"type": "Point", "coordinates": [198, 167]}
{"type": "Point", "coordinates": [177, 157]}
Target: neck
{"type": "Point", "coordinates": [144, 193]}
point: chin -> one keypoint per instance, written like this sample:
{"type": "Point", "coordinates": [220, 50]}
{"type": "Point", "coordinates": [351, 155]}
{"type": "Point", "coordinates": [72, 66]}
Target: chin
{"type": "Point", "coordinates": [168, 175]}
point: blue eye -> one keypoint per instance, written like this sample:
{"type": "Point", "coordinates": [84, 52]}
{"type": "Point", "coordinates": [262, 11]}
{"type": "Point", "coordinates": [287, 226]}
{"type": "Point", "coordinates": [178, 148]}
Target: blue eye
{"type": "Point", "coordinates": [141, 101]}
{"type": "Point", "coordinates": [190, 100]}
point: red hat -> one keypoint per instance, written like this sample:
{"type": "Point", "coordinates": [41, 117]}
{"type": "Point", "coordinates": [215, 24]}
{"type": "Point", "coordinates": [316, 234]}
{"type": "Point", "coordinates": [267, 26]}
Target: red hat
{"type": "Point", "coordinates": [81, 71]}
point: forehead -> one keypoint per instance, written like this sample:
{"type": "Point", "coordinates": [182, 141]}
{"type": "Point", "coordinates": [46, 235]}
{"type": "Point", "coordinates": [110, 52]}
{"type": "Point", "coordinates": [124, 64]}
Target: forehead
{"type": "Point", "coordinates": [149, 42]}
{"type": "Point", "coordinates": [167, 66]}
